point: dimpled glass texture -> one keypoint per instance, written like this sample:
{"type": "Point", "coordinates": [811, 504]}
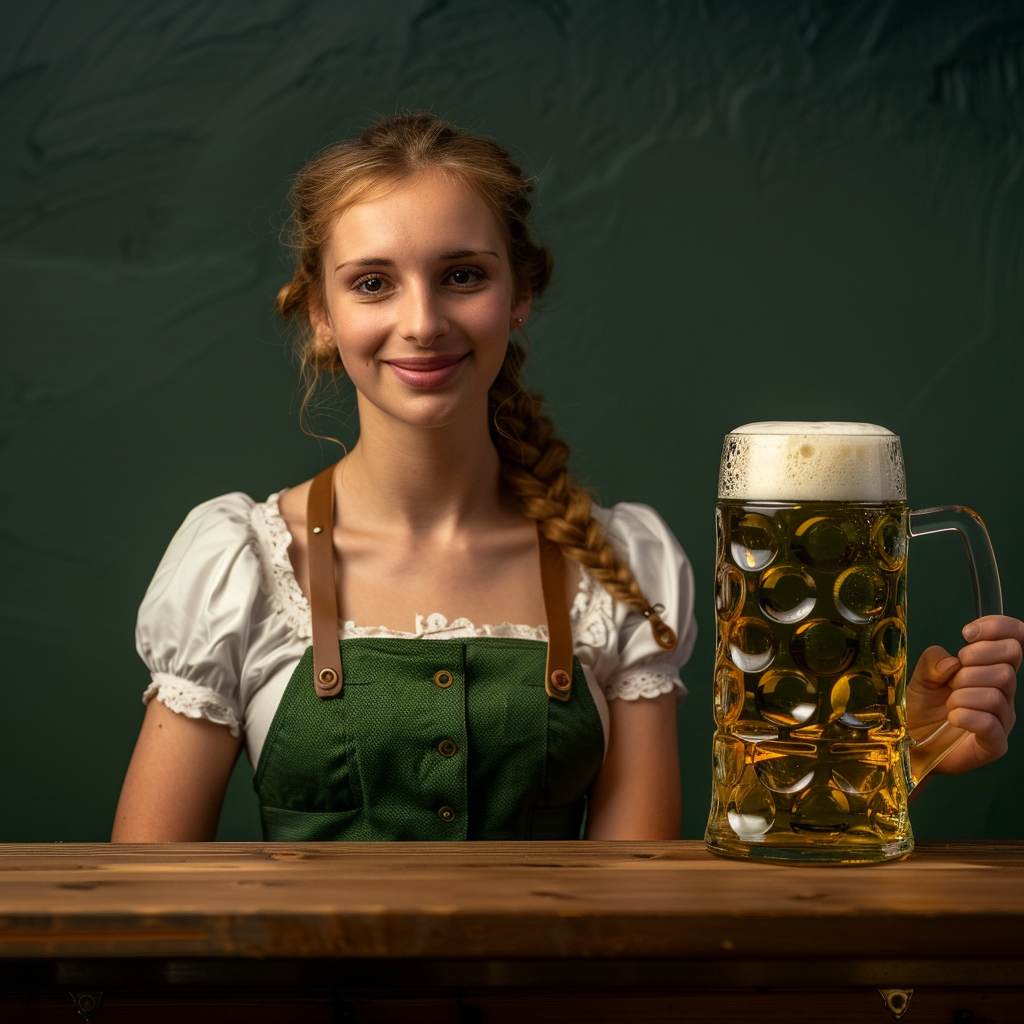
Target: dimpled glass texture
{"type": "Point", "coordinates": [808, 755]}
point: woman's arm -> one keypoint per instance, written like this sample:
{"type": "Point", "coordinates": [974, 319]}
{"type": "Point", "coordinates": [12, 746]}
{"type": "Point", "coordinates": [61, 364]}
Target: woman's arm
{"type": "Point", "coordinates": [176, 780]}
{"type": "Point", "coordinates": [637, 793]}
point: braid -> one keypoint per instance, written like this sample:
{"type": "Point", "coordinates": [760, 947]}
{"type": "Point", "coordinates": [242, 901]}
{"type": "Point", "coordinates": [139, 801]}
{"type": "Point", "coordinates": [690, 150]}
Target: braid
{"type": "Point", "coordinates": [533, 462]}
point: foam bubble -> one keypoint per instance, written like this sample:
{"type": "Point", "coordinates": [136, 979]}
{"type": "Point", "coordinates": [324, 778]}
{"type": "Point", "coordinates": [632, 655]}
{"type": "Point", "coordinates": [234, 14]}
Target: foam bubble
{"type": "Point", "coordinates": [812, 461]}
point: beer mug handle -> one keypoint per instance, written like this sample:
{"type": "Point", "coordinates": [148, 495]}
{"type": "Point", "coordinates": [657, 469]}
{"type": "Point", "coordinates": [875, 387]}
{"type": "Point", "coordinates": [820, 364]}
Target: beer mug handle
{"type": "Point", "coordinates": [927, 751]}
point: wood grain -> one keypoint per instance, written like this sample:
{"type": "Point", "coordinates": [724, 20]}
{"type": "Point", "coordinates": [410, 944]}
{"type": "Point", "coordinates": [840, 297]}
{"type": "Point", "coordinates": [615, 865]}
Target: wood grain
{"type": "Point", "coordinates": [502, 900]}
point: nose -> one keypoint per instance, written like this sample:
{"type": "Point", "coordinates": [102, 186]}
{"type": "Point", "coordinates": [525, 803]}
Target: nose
{"type": "Point", "coordinates": [421, 315]}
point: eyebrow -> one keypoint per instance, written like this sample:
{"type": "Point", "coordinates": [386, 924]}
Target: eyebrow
{"type": "Point", "coordinates": [381, 261]}
{"type": "Point", "coordinates": [464, 254]}
{"type": "Point", "coordinates": [370, 261]}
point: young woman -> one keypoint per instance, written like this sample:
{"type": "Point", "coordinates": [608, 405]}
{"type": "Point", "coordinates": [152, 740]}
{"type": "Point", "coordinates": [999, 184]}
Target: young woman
{"type": "Point", "coordinates": [509, 664]}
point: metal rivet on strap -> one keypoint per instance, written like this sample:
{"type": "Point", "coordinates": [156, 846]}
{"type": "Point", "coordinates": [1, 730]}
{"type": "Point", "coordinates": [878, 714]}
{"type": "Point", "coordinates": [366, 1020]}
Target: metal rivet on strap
{"type": "Point", "coordinates": [443, 678]}
{"type": "Point", "coordinates": [560, 679]}
{"type": "Point", "coordinates": [446, 813]}
{"type": "Point", "coordinates": [328, 677]}
{"type": "Point", "coordinates": [446, 748]}
{"type": "Point", "coordinates": [318, 529]}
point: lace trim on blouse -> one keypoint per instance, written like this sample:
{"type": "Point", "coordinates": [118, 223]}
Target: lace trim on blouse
{"type": "Point", "coordinates": [591, 614]}
{"type": "Point", "coordinates": [191, 700]}
{"type": "Point", "coordinates": [277, 579]}
{"type": "Point", "coordinates": [647, 684]}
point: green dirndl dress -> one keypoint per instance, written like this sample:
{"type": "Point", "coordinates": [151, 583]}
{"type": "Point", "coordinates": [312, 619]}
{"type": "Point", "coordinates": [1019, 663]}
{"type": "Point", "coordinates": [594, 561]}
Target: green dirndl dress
{"type": "Point", "coordinates": [477, 738]}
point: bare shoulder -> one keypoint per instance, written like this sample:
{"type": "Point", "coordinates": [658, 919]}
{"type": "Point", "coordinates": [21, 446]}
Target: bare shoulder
{"type": "Point", "coordinates": [292, 506]}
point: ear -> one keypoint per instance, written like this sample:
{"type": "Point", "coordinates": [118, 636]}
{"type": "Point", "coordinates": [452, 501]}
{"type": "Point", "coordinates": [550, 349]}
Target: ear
{"type": "Point", "coordinates": [521, 309]}
{"type": "Point", "coordinates": [319, 318]}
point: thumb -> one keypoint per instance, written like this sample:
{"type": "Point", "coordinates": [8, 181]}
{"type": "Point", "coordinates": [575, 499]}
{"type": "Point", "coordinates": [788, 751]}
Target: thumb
{"type": "Point", "coordinates": [935, 667]}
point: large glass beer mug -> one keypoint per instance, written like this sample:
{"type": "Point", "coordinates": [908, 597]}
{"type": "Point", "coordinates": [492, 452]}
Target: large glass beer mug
{"type": "Point", "coordinates": [813, 761]}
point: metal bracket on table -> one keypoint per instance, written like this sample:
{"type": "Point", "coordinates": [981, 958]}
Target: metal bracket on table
{"type": "Point", "coordinates": [896, 1000]}
{"type": "Point", "coordinates": [86, 1003]}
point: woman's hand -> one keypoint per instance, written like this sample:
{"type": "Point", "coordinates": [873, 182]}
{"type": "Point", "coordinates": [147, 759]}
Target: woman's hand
{"type": "Point", "coordinates": [975, 688]}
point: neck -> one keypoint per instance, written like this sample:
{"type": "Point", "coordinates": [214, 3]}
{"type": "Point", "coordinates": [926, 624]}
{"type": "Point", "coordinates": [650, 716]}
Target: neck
{"type": "Point", "coordinates": [422, 480]}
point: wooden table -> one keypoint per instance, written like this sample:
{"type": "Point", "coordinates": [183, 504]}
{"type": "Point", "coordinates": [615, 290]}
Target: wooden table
{"type": "Point", "coordinates": [496, 932]}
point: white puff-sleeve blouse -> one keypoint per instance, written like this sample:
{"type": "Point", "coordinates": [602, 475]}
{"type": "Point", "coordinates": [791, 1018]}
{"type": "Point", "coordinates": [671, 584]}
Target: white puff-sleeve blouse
{"type": "Point", "coordinates": [224, 623]}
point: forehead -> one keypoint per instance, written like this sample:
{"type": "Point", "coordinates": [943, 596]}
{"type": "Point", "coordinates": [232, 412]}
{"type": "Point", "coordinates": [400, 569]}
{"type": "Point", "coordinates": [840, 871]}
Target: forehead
{"type": "Point", "coordinates": [431, 213]}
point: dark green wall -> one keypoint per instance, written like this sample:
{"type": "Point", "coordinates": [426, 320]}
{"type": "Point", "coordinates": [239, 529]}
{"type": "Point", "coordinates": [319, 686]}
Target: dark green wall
{"type": "Point", "coordinates": [758, 210]}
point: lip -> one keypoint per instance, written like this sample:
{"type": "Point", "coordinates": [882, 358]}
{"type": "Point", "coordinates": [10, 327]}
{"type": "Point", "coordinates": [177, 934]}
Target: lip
{"type": "Point", "coordinates": [426, 371]}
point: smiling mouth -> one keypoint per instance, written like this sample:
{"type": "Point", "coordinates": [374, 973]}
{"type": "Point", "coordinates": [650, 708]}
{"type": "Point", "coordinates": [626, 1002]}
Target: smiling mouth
{"type": "Point", "coordinates": [425, 364]}
{"type": "Point", "coordinates": [426, 371]}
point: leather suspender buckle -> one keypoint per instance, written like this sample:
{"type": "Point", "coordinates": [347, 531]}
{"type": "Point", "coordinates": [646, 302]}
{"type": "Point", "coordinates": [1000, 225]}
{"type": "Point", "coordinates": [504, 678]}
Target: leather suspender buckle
{"type": "Point", "coordinates": [558, 671]}
{"type": "Point", "coordinates": [328, 683]}
{"type": "Point", "coordinates": [560, 679]}
{"type": "Point", "coordinates": [559, 684]}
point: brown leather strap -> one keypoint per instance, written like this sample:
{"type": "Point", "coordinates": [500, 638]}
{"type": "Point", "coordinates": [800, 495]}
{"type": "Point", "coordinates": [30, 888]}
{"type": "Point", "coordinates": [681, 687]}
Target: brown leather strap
{"type": "Point", "coordinates": [323, 599]}
{"type": "Point", "coordinates": [558, 672]}
{"type": "Point", "coordinates": [323, 592]}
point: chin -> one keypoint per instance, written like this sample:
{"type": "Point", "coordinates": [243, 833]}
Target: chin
{"type": "Point", "coordinates": [429, 411]}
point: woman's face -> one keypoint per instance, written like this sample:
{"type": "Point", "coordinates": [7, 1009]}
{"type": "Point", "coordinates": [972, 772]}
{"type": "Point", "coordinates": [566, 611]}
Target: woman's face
{"type": "Point", "coordinates": [419, 300]}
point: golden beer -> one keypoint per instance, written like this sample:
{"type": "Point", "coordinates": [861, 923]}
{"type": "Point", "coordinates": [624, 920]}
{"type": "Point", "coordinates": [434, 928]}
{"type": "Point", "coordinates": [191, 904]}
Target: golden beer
{"type": "Point", "coordinates": [811, 755]}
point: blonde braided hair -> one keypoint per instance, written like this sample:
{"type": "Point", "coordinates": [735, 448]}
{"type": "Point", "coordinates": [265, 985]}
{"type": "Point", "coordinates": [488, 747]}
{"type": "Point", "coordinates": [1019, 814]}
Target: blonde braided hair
{"type": "Point", "coordinates": [533, 459]}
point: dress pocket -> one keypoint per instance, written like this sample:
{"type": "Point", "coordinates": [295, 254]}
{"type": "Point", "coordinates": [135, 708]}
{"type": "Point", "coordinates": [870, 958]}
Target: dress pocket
{"type": "Point", "coordinates": [281, 825]}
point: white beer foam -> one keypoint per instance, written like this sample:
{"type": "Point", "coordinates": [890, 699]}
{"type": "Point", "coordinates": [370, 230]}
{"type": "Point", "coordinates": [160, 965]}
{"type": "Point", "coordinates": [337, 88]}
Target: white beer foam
{"type": "Point", "coordinates": [812, 461]}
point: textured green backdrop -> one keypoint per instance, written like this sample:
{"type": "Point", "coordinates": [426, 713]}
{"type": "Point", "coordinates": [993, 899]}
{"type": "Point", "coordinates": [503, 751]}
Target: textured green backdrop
{"type": "Point", "coordinates": [758, 210]}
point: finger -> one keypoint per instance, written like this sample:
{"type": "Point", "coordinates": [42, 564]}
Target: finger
{"type": "Point", "coordinates": [994, 627]}
{"type": "Point", "coordinates": [936, 666]}
{"type": "Point", "coordinates": [984, 698]}
{"type": "Point", "coordinates": [986, 728]}
{"type": "Point", "coordinates": [1000, 677]}
{"type": "Point", "coordinates": [991, 652]}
